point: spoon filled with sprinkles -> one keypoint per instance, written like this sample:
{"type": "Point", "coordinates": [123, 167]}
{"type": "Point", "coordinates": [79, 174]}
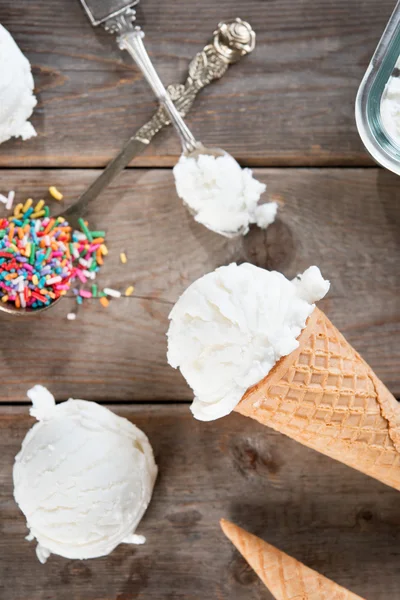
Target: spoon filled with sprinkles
{"type": "Point", "coordinates": [42, 256]}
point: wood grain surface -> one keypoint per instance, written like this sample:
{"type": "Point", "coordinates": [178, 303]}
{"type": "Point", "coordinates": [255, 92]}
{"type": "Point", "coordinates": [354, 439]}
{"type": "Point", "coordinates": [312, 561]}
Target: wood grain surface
{"type": "Point", "coordinates": [332, 518]}
{"type": "Point", "coordinates": [290, 103]}
{"type": "Point", "coordinates": [346, 221]}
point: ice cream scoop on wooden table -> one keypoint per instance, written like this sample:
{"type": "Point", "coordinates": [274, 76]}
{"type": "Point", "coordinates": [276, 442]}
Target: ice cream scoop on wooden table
{"type": "Point", "coordinates": [83, 478]}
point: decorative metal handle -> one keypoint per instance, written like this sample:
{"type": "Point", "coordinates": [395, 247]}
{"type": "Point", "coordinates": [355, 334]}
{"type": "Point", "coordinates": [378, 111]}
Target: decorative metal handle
{"type": "Point", "coordinates": [132, 41]}
{"type": "Point", "coordinates": [231, 42]}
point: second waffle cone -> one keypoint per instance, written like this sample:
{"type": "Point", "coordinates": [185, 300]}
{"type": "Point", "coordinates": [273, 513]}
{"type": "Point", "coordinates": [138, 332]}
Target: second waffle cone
{"type": "Point", "coordinates": [284, 576]}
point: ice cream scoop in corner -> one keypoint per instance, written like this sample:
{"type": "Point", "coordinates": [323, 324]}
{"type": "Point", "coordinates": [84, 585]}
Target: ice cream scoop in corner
{"type": "Point", "coordinates": [16, 90]}
{"type": "Point", "coordinates": [83, 478]}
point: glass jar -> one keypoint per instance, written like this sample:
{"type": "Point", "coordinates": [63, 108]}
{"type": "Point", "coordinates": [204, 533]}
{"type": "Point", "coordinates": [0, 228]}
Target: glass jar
{"type": "Point", "coordinates": [375, 87]}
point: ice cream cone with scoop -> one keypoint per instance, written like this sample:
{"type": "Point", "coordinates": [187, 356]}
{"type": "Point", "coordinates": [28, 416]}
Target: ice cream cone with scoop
{"type": "Point", "coordinates": [284, 576]}
{"type": "Point", "coordinates": [252, 341]}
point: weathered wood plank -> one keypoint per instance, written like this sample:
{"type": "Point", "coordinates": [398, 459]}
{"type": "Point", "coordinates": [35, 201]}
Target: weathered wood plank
{"type": "Point", "coordinates": [346, 221]}
{"type": "Point", "coordinates": [334, 519]}
{"type": "Point", "coordinates": [290, 103]}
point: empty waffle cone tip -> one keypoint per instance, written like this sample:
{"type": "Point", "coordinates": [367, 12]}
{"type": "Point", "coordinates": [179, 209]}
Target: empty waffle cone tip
{"type": "Point", "coordinates": [325, 396]}
{"type": "Point", "coordinates": [284, 576]}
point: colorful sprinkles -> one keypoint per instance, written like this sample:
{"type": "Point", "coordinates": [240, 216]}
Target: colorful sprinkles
{"type": "Point", "coordinates": [41, 258]}
{"type": "Point", "coordinates": [35, 261]}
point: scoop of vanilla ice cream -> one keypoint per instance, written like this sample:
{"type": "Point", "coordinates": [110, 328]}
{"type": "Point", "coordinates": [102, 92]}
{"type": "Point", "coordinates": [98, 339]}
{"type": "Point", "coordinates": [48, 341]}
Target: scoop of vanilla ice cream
{"type": "Point", "coordinates": [16, 90]}
{"type": "Point", "coordinates": [83, 478]}
{"type": "Point", "coordinates": [230, 327]}
{"type": "Point", "coordinates": [221, 195]}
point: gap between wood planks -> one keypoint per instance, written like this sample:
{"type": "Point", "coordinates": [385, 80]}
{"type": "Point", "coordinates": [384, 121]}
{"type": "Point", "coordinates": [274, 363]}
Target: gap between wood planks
{"type": "Point", "coordinates": [106, 402]}
{"type": "Point", "coordinates": [117, 402]}
{"type": "Point", "coordinates": [243, 163]}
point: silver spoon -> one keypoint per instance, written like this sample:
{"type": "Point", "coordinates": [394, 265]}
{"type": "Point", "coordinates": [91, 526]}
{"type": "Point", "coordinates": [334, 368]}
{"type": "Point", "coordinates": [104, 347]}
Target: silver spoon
{"type": "Point", "coordinates": [130, 38]}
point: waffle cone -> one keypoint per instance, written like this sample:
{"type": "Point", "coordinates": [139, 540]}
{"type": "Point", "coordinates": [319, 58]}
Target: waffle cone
{"type": "Point", "coordinates": [284, 576]}
{"type": "Point", "coordinates": [325, 396]}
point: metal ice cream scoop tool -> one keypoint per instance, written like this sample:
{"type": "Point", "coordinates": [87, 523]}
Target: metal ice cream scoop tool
{"type": "Point", "coordinates": [120, 21]}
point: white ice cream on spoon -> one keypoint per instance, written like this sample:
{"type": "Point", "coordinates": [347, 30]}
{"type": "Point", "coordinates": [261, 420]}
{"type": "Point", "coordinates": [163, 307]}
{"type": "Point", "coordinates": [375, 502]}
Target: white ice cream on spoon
{"type": "Point", "coordinates": [16, 90]}
{"type": "Point", "coordinates": [221, 195]}
{"type": "Point", "coordinates": [83, 478]}
{"type": "Point", "coordinates": [230, 327]}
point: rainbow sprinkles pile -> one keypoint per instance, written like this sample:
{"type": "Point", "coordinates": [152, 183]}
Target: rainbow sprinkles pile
{"type": "Point", "coordinates": [41, 256]}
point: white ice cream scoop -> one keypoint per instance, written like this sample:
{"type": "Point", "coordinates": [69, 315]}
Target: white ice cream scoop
{"type": "Point", "coordinates": [221, 195]}
{"type": "Point", "coordinates": [231, 326]}
{"type": "Point", "coordinates": [83, 478]}
{"type": "Point", "coordinates": [16, 90]}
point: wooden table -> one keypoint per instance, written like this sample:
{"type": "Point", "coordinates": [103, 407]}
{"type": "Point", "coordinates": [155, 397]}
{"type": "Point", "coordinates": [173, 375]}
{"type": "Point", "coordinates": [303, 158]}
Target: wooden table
{"type": "Point", "coordinates": [288, 111]}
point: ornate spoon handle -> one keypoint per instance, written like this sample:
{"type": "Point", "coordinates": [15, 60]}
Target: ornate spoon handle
{"type": "Point", "coordinates": [232, 40]}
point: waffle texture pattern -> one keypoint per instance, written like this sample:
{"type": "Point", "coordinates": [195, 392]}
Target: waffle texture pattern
{"type": "Point", "coordinates": [284, 576]}
{"type": "Point", "coordinates": [325, 396]}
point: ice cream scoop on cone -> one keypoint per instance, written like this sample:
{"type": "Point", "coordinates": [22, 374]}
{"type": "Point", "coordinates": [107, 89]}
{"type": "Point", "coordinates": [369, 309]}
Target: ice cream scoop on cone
{"type": "Point", "coordinates": [284, 576]}
{"type": "Point", "coordinates": [251, 341]}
